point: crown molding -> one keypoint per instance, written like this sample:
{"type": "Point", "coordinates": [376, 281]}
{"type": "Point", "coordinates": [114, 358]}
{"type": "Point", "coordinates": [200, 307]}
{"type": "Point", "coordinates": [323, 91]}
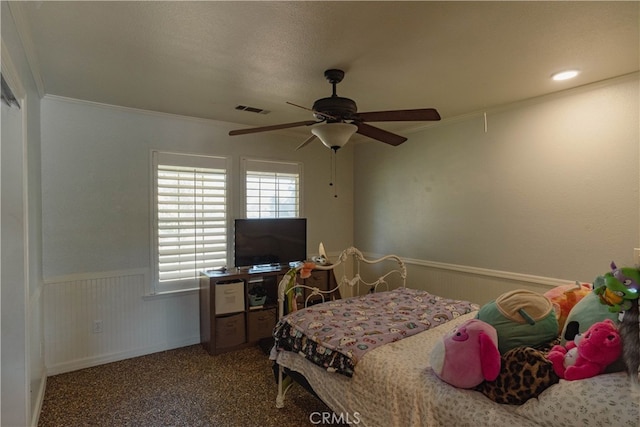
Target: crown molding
{"type": "Point", "coordinates": [634, 75]}
{"type": "Point", "coordinates": [141, 111]}
{"type": "Point", "coordinates": [24, 33]}
{"type": "Point", "coordinates": [10, 74]}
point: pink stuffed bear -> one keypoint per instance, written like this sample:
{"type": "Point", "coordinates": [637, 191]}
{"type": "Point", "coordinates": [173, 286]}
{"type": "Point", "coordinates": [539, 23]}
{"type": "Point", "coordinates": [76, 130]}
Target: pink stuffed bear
{"type": "Point", "coordinates": [588, 354]}
{"type": "Point", "coordinates": [467, 355]}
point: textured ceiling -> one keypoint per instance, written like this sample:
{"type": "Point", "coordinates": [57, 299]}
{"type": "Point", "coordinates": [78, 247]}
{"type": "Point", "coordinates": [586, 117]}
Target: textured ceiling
{"type": "Point", "coordinates": [202, 59]}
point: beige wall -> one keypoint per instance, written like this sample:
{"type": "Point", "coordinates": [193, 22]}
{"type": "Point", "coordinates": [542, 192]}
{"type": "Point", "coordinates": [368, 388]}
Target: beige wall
{"type": "Point", "coordinates": [96, 223]}
{"type": "Point", "coordinates": [96, 181]}
{"type": "Point", "coordinates": [550, 190]}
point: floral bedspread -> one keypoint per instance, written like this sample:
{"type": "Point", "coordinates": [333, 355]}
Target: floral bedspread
{"type": "Point", "coordinates": [337, 334]}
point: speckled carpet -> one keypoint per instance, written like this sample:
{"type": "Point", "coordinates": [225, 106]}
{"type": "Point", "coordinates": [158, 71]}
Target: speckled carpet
{"type": "Point", "coordinates": [182, 387]}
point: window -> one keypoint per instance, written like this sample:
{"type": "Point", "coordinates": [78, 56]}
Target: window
{"type": "Point", "coordinates": [190, 218]}
{"type": "Point", "coordinates": [272, 189]}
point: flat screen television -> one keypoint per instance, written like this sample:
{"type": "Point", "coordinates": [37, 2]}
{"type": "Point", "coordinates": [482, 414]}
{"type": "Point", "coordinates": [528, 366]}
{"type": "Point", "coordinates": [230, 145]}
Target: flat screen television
{"type": "Point", "coordinates": [269, 241]}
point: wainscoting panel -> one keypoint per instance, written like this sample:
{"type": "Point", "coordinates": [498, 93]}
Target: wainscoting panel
{"type": "Point", "coordinates": [91, 319]}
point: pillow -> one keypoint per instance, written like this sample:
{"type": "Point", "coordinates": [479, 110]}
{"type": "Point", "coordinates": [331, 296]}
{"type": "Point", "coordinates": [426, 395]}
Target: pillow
{"type": "Point", "coordinates": [525, 373]}
{"type": "Point", "coordinates": [585, 313]}
{"type": "Point", "coordinates": [522, 318]}
{"type": "Point", "coordinates": [564, 298]}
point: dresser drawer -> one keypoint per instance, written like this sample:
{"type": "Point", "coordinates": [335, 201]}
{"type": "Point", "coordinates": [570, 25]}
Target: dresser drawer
{"type": "Point", "coordinates": [230, 330]}
{"type": "Point", "coordinates": [229, 297]}
{"type": "Point", "coordinates": [318, 279]}
{"type": "Point", "coordinates": [261, 323]}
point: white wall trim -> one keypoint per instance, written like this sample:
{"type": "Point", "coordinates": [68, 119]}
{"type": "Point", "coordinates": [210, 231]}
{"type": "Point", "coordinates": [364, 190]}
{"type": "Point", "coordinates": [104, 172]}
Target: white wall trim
{"type": "Point", "coordinates": [39, 400]}
{"type": "Point", "coordinates": [10, 74]}
{"type": "Point", "coordinates": [444, 122]}
{"type": "Point", "coordinates": [100, 275]}
{"type": "Point", "coordinates": [485, 272]}
{"type": "Point", "coordinates": [35, 304]}
{"type": "Point", "coordinates": [529, 101]}
{"type": "Point", "coordinates": [132, 110]}
{"type": "Point", "coordinates": [27, 44]}
{"type": "Point", "coordinates": [498, 274]}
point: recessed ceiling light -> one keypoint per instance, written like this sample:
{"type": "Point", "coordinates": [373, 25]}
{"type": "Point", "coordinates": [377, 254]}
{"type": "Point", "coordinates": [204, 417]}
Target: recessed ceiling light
{"type": "Point", "coordinates": [565, 75]}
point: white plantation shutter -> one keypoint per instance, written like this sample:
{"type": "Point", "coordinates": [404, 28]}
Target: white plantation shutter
{"type": "Point", "coordinates": [272, 189]}
{"type": "Point", "coordinates": [190, 218]}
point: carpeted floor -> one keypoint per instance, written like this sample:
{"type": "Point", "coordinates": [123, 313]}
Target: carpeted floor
{"type": "Point", "coordinates": [182, 387]}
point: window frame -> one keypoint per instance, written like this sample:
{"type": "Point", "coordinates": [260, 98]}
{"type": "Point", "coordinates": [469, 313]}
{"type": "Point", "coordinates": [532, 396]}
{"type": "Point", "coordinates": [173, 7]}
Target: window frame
{"type": "Point", "coordinates": [159, 157]}
{"type": "Point", "coordinates": [248, 164]}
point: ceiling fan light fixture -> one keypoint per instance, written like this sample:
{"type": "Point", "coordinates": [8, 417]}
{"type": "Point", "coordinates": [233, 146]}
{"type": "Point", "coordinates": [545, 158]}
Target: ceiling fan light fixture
{"type": "Point", "coordinates": [334, 135]}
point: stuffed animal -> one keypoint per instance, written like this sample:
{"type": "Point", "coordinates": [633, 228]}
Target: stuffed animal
{"type": "Point", "coordinates": [618, 287]}
{"type": "Point", "coordinates": [564, 298]}
{"type": "Point", "coordinates": [525, 373]}
{"type": "Point", "coordinates": [587, 355]}
{"type": "Point", "coordinates": [467, 355]}
{"type": "Point", "coordinates": [288, 282]}
{"type": "Point", "coordinates": [584, 314]}
{"type": "Point", "coordinates": [521, 318]}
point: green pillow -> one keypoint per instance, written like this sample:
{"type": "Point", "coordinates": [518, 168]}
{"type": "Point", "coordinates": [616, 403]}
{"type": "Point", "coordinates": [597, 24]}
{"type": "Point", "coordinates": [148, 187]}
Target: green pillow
{"type": "Point", "coordinates": [586, 312]}
{"type": "Point", "coordinates": [522, 318]}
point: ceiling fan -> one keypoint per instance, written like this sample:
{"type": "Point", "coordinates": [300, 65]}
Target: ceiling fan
{"type": "Point", "coordinates": [341, 119]}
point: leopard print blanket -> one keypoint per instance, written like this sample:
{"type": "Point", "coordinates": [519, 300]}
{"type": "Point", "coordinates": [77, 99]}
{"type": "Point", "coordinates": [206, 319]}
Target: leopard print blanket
{"type": "Point", "coordinates": [525, 373]}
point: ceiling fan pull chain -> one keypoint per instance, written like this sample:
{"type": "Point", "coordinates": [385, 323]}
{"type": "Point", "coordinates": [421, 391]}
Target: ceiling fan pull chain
{"type": "Point", "coordinates": [331, 169]}
{"type": "Point", "coordinates": [332, 182]}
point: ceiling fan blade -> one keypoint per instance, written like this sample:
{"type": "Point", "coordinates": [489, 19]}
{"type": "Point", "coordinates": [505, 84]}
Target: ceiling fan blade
{"type": "Point", "coordinates": [306, 142]}
{"type": "Point", "coordinates": [272, 127]}
{"type": "Point", "coordinates": [380, 134]}
{"type": "Point", "coordinates": [423, 114]}
{"type": "Point", "coordinates": [316, 113]}
{"type": "Point", "coordinates": [300, 106]}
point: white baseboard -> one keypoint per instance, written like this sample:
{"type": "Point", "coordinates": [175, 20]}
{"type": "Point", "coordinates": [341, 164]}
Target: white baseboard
{"type": "Point", "coordinates": [88, 362]}
{"type": "Point", "coordinates": [35, 416]}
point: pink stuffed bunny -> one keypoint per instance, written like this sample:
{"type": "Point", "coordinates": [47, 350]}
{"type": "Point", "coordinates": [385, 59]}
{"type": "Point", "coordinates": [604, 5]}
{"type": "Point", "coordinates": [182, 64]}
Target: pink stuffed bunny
{"type": "Point", "coordinates": [588, 354]}
{"type": "Point", "coordinates": [467, 355]}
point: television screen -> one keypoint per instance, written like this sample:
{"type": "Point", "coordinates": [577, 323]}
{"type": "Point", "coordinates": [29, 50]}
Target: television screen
{"type": "Point", "coordinates": [270, 241]}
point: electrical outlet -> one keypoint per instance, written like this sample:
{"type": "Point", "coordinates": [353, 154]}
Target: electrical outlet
{"type": "Point", "coordinates": [97, 326]}
{"type": "Point", "coordinates": [636, 256]}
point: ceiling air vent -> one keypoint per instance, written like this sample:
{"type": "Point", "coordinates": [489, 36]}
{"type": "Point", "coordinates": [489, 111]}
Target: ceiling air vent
{"type": "Point", "coordinates": [252, 109]}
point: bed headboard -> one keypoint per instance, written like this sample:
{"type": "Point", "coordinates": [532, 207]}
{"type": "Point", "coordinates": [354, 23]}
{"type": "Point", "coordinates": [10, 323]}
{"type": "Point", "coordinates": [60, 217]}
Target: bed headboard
{"type": "Point", "coordinates": [351, 270]}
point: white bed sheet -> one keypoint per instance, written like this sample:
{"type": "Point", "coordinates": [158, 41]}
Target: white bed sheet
{"type": "Point", "coordinates": [394, 386]}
